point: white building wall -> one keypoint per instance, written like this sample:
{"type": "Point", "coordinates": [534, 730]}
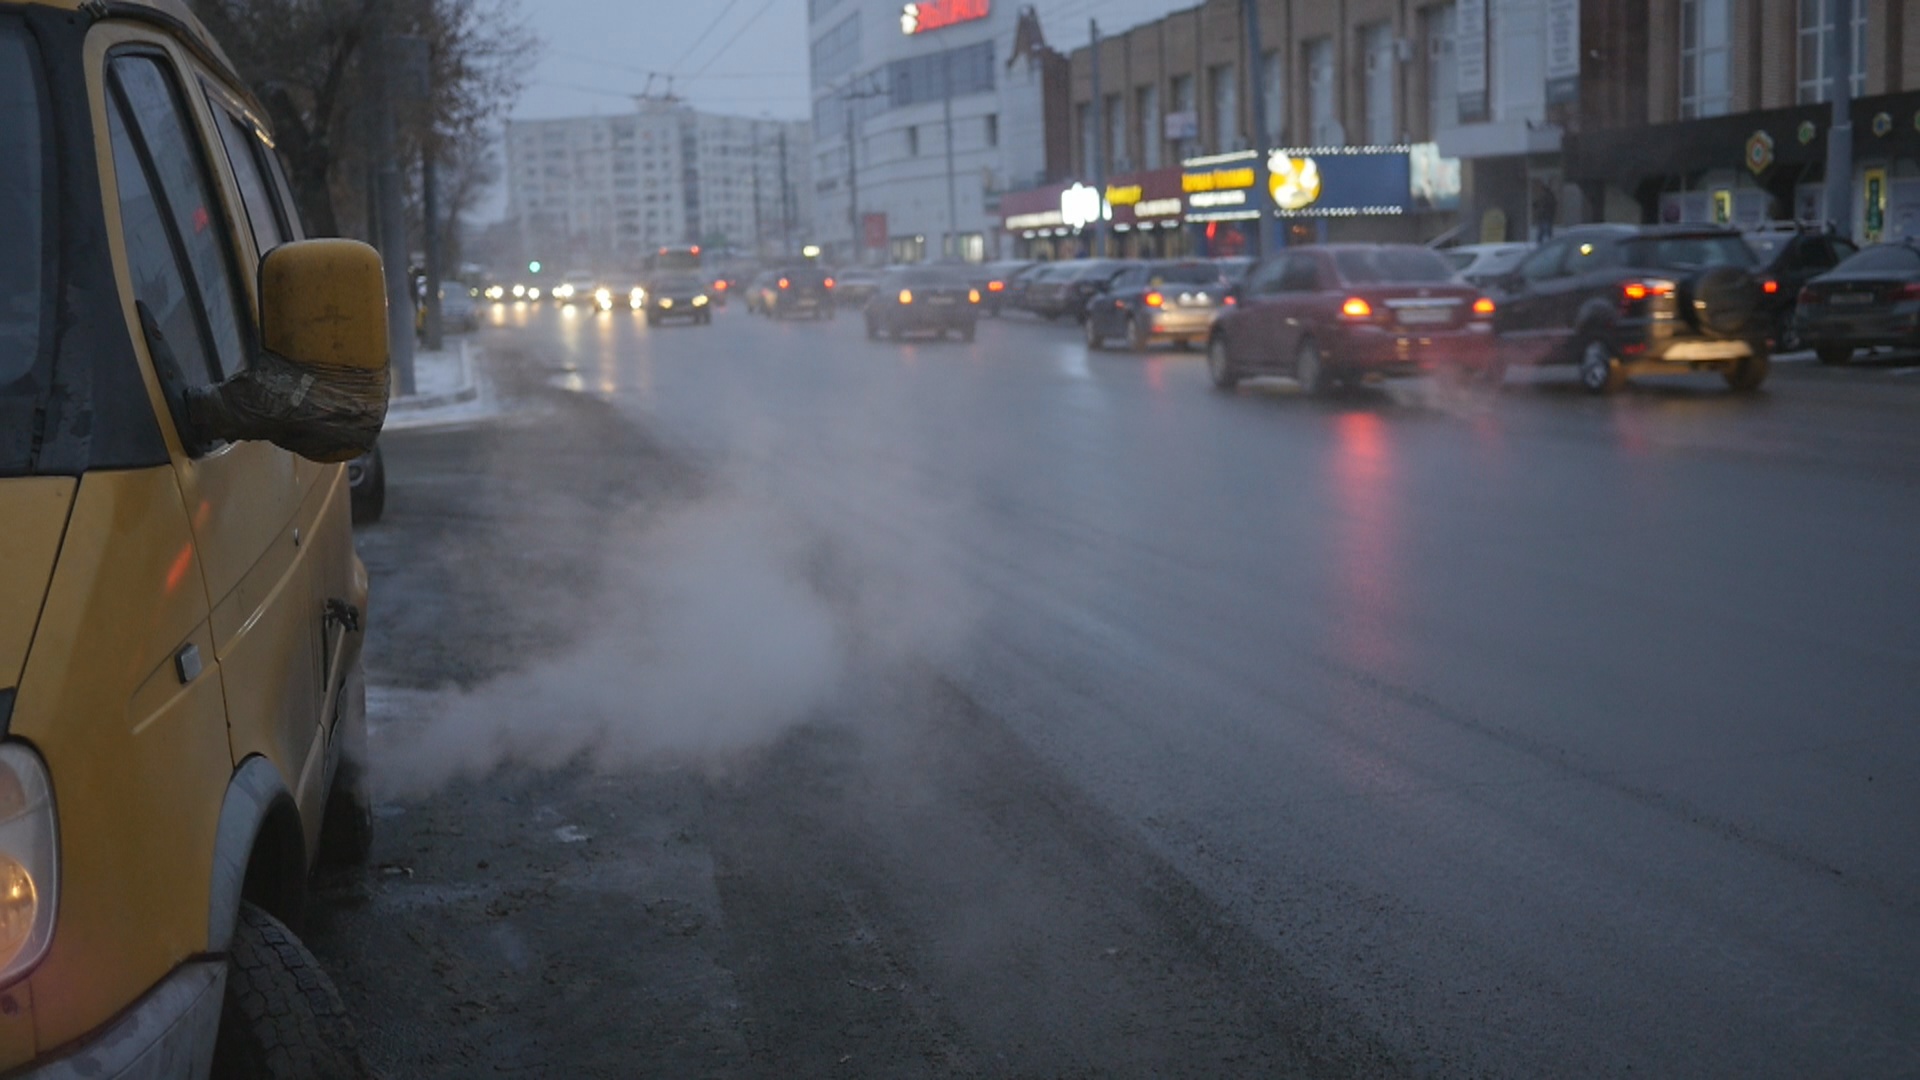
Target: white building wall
{"type": "Point", "coordinates": [910, 187]}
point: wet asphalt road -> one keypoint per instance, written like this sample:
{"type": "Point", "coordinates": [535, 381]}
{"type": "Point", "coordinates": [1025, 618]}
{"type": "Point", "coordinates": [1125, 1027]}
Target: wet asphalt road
{"type": "Point", "coordinates": [1409, 732]}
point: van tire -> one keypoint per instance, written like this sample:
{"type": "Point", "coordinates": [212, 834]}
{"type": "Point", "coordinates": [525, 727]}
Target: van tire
{"type": "Point", "coordinates": [281, 1019]}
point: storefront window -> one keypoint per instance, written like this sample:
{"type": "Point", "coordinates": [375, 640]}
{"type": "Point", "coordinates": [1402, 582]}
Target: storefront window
{"type": "Point", "coordinates": [1816, 28]}
{"type": "Point", "coordinates": [1706, 73]}
{"type": "Point", "coordinates": [1320, 111]}
{"type": "Point", "coordinates": [1376, 43]}
{"type": "Point", "coordinates": [1146, 107]}
{"type": "Point", "coordinates": [1222, 87]}
{"type": "Point", "coordinates": [1443, 78]}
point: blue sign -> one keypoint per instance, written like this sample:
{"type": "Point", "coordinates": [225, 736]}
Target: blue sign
{"type": "Point", "coordinates": [1340, 181]}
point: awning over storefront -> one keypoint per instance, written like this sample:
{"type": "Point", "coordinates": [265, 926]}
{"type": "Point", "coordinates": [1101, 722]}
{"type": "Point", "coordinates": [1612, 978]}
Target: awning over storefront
{"type": "Point", "coordinates": [1760, 144]}
{"type": "Point", "coordinates": [1033, 210]}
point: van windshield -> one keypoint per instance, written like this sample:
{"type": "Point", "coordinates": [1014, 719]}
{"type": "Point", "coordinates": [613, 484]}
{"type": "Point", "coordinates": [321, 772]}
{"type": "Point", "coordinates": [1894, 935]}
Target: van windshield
{"type": "Point", "coordinates": [22, 255]}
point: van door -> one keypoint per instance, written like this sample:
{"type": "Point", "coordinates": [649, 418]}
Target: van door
{"type": "Point", "coordinates": [243, 500]}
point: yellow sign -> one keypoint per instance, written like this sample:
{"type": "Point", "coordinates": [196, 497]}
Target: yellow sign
{"type": "Point", "coordinates": [1217, 180]}
{"type": "Point", "coordinates": [1876, 202]}
{"type": "Point", "coordinates": [1124, 196]}
{"type": "Point", "coordinates": [1722, 207]}
{"type": "Point", "coordinates": [1294, 182]}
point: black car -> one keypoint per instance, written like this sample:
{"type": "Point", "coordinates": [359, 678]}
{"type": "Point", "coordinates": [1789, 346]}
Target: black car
{"type": "Point", "coordinates": [797, 290]}
{"type": "Point", "coordinates": [1788, 258]}
{"type": "Point", "coordinates": [1872, 299]}
{"type": "Point", "coordinates": [678, 297]}
{"type": "Point", "coordinates": [1158, 302]}
{"type": "Point", "coordinates": [924, 300]}
{"type": "Point", "coordinates": [1065, 289]}
{"type": "Point", "coordinates": [992, 280]}
{"type": "Point", "coordinates": [1631, 300]}
{"type": "Point", "coordinates": [853, 287]}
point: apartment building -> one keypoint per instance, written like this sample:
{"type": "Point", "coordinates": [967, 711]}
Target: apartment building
{"type": "Point", "coordinates": [602, 191]}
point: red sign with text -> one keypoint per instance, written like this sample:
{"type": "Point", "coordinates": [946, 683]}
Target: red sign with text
{"type": "Point", "coordinates": [927, 15]}
{"type": "Point", "coordinates": [875, 226]}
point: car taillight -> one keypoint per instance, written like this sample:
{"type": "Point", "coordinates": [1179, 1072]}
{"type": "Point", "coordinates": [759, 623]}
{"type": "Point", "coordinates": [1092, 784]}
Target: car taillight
{"type": "Point", "coordinates": [906, 296]}
{"type": "Point", "coordinates": [1154, 299]}
{"type": "Point", "coordinates": [784, 283]}
{"type": "Point", "coordinates": [829, 283]}
{"type": "Point", "coordinates": [720, 286]}
{"type": "Point", "coordinates": [973, 296]}
{"type": "Point", "coordinates": [1910, 291]}
{"type": "Point", "coordinates": [1770, 286]}
{"type": "Point", "coordinates": [1356, 308]}
{"type": "Point", "coordinates": [996, 286]}
{"type": "Point", "coordinates": [1231, 301]}
{"type": "Point", "coordinates": [1636, 291]}
{"type": "Point", "coordinates": [1484, 307]}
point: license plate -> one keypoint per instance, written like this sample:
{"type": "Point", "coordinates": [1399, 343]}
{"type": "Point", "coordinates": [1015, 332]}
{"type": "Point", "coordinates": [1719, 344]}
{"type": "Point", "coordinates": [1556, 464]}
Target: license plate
{"type": "Point", "coordinates": [1425, 316]}
{"type": "Point", "coordinates": [1852, 298]}
{"type": "Point", "coordinates": [941, 300]}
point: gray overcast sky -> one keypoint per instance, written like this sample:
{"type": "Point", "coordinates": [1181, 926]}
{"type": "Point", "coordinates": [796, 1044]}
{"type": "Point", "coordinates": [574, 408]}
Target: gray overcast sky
{"type": "Point", "coordinates": [754, 62]}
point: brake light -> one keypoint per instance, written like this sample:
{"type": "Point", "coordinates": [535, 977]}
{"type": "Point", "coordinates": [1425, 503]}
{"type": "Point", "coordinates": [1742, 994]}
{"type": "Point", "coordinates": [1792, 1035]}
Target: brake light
{"type": "Point", "coordinates": [1484, 307]}
{"type": "Point", "coordinates": [720, 286]}
{"type": "Point", "coordinates": [1769, 286]}
{"type": "Point", "coordinates": [1910, 291]}
{"type": "Point", "coordinates": [996, 286]}
{"type": "Point", "coordinates": [1154, 299]}
{"type": "Point", "coordinates": [829, 283]}
{"type": "Point", "coordinates": [784, 283]}
{"type": "Point", "coordinates": [906, 296]}
{"type": "Point", "coordinates": [1231, 300]}
{"type": "Point", "coordinates": [1356, 308]}
{"type": "Point", "coordinates": [696, 249]}
{"type": "Point", "coordinates": [1640, 290]}
{"type": "Point", "coordinates": [973, 296]}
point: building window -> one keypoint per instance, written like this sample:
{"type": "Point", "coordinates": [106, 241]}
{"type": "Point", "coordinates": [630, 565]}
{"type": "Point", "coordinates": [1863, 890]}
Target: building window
{"type": "Point", "coordinates": [1443, 77]}
{"type": "Point", "coordinates": [1116, 119]}
{"type": "Point", "coordinates": [1320, 97]}
{"type": "Point", "coordinates": [1706, 61]}
{"type": "Point", "coordinates": [913, 141]}
{"type": "Point", "coordinates": [1376, 46]}
{"type": "Point", "coordinates": [1083, 123]}
{"type": "Point", "coordinates": [1185, 115]}
{"type": "Point", "coordinates": [1223, 90]}
{"type": "Point", "coordinates": [1816, 29]}
{"type": "Point", "coordinates": [993, 129]}
{"type": "Point", "coordinates": [1146, 111]}
{"type": "Point", "coordinates": [1272, 83]}
{"type": "Point", "coordinates": [967, 69]}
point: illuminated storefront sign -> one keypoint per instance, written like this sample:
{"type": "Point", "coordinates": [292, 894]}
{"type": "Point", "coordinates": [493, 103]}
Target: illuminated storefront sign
{"type": "Point", "coordinates": [1158, 208]}
{"type": "Point", "coordinates": [930, 15]}
{"type": "Point", "coordinates": [1222, 179]}
{"type": "Point", "coordinates": [1081, 206]}
{"type": "Point", "coordinates": [1048, 219]}
{"type": "Point", "coordinates": [1124, 194]}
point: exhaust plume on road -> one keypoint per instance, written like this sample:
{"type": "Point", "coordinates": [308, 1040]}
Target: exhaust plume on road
{"type": "Point", "coordinates": [717, 627]}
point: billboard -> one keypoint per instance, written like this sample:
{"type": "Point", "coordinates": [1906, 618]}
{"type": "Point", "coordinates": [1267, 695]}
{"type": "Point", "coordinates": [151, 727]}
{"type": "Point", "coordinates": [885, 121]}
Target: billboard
{"type": "Point", "coordinates": [1340, 181]}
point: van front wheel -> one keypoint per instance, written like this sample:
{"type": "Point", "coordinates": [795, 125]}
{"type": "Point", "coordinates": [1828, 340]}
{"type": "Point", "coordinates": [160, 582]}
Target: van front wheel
{"type": "Point", "coordinates": [282, 1018]}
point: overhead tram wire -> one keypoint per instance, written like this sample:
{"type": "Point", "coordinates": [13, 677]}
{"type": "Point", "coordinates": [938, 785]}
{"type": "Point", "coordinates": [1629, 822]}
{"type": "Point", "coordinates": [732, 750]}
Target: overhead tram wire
{"type": "Point", "coordinates": [745, 25]}
{"type": "Point", "coordinates": [635, 70]}
{"type": "Point", "coordinates": [711, 27]}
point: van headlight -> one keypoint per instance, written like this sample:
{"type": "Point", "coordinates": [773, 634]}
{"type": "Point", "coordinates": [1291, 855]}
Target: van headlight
{"type": "Point", "coordinates": [29, 861]}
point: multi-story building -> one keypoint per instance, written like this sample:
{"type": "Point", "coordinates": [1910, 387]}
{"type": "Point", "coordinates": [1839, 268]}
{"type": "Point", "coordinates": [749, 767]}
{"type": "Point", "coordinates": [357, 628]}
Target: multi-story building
{"type": "Point", "coordinates": [604, 190]}
{"type": "Point", "coordinates": [1506, 116]}
{"type": "Point", "coordinates": [923, 113]}
{"type": "Point", "coordinates": [1720, 110]}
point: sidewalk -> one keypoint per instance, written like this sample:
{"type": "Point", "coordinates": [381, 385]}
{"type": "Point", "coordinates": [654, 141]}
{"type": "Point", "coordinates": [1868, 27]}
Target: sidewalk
{"type": "Point", "coordinates": [448, 389]}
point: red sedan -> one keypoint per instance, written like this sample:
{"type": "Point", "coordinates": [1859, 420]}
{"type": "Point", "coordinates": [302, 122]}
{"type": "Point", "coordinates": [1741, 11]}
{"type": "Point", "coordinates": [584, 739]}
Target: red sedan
{"type": "Point", "coordinates": [1348, 313]}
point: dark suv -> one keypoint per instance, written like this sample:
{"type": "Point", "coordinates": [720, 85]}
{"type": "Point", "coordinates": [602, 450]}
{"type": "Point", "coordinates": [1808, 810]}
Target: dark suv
{"type": "Point", "coordinates": [1621, 300]}
{"type": "Point", "coordinates": [1787, 257]}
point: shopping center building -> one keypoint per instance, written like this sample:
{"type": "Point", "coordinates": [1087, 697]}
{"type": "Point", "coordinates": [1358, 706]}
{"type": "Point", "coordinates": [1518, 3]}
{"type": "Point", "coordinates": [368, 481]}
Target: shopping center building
{"type": "Point", "coordinates": [923, 114]}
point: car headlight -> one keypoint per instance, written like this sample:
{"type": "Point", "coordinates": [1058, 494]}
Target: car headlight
{"type": "Point", "coordinates": [700, 301]}
{"type": "Point", "coordinates": [29, 861]}
{"type": "Point", "coordinates": [666, 301]}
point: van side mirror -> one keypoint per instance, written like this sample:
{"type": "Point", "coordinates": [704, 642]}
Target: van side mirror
{"type": "Point", "coordinates": [320, 385]}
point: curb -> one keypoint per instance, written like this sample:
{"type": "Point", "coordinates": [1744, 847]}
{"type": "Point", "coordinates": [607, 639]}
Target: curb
{"type": "Point", "coordinates": [469, 390]}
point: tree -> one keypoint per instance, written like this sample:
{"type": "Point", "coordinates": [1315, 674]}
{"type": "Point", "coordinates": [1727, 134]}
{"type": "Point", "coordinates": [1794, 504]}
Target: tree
{"type": "Point", "coordinates": [305, 60]}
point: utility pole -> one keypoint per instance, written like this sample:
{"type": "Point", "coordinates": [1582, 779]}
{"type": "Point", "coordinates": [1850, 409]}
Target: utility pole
{"type": "Point", "coordinates": [759, 232]}
{"type": "Point", "coordinates": [1839, 59]}
{"type": "Point", "coordinates": [1257, 92]}
{"type": "Point", "coordinates": [1096, 110]}
{"type": "Point", "coordinates": [855, 248]}
{"type": "Point", "coordinates": [786, 200]}
{"type": "Point", "coordinates": [392, 222]}
{"type": "Point", "coordinates": [953, 200]}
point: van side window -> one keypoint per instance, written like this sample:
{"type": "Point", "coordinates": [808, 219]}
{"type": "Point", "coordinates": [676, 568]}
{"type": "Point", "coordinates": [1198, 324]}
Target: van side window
{"type": "Point", "coordinates": [243, 151]}
{"type": "Point", "coordinates": [179, 191]}
{"type": "Point", "coordinates": [160, 276]}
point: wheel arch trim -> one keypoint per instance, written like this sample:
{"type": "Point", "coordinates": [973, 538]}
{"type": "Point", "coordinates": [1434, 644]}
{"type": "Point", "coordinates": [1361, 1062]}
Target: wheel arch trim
{"type": "Point", "coordinates": [255, 795]}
